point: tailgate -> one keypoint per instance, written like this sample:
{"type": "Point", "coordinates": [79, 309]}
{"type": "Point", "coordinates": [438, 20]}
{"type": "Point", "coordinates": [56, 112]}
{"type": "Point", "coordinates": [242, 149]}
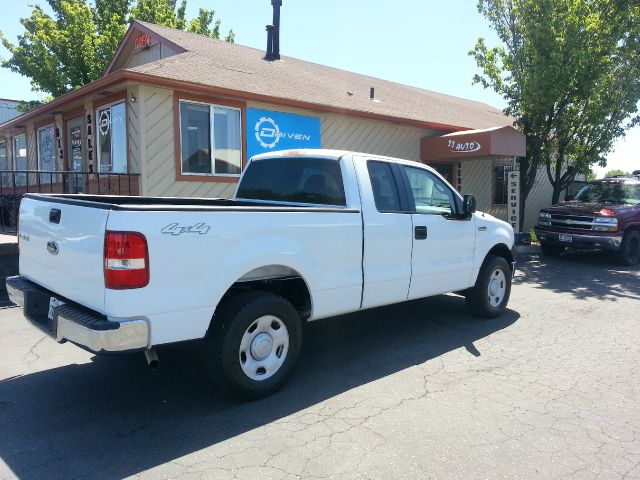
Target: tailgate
{"type": "Point", "coordinates": [61, 248]}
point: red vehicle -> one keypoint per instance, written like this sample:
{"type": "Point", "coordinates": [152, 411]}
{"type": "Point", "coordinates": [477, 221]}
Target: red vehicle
{"type": "Point", "coordinates": [603, 215]}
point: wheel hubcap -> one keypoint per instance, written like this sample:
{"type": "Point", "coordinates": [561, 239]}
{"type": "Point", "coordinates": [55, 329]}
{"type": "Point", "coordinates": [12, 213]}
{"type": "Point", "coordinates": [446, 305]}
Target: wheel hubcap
{"type": "Point", "coordinates": [497, 287]}
{"type": "Point", "coordinates": [264, 347]}
{"type": "Point", "coordinates": [261, 346]}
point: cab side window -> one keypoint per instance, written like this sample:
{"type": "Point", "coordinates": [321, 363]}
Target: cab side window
{"type": "Point", "coordinates": [385, 191]}
{"type": "Point", "coordinates": [430, 194]}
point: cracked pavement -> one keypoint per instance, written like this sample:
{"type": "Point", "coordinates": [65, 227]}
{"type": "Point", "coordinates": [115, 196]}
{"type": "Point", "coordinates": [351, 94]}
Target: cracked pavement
{"type": "Point", "coordinates": [419, 390]}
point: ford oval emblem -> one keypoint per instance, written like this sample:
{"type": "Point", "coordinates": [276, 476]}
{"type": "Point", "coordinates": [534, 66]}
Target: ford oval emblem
{"type": "Point", "coordinates": [53, 248]}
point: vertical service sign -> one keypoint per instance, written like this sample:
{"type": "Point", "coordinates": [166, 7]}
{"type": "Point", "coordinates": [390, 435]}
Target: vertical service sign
{"type": "Point", "coordinates": [513, 187]}
{"type": "Point", "coordinates": [269, 131]}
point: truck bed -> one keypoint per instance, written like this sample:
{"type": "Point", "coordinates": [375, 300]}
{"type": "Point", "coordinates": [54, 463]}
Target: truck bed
{"type": "Point", "coordinates": [115, 202]}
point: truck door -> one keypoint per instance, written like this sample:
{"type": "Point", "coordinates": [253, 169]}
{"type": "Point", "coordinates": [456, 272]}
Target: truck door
{"type": "Point", "coordinates": [443, 246]}
{"type": "Point", "coordinates": [387, 234]}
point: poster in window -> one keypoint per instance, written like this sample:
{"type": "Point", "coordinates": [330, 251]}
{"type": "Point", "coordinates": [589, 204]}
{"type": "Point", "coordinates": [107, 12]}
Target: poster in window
{"type": "Point", "coordinates": [47, 154]}
{"type": "Point", "coordinates": [76, 149]}
{"type": "Point", "coordinates": [270, 131]}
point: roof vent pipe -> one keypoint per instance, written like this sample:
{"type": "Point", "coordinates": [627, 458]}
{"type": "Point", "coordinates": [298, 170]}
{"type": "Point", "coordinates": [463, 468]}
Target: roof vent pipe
{"type": "Point", "coordinates": [273, 33]}
{"type": "Point", "coordinates": [372, 93]}
{"type": "Point", "coordinates": [269, 55]}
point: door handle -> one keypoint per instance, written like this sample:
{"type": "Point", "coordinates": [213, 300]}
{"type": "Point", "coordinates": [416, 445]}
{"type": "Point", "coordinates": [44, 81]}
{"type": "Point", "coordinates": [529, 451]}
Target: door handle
{"type": "Point", "coordinates": [421, 232]}
{"type": "Point", "coordinates": [54, 215]}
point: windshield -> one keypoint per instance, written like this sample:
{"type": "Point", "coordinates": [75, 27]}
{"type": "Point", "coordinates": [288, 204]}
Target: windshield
{"type": "Point", "coordinates": [610, 192]}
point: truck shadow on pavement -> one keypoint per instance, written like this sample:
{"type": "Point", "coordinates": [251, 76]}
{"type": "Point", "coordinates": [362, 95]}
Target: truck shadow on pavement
{"type": "Point", "coordinates": [114, 417]}
{"type": "Point", "coordinates": [584, 275]}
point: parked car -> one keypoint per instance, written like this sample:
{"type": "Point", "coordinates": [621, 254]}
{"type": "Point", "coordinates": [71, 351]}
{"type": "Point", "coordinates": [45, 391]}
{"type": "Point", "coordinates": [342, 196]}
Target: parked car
{"type": "Point", "coordinates": [310, 234]}
{"type": "Point", "coordinates": [604, 215]}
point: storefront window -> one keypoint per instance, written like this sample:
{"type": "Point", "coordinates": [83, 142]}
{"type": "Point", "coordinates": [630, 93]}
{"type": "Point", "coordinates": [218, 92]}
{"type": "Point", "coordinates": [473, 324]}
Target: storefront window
{"type": "Point", "coordinates": [20, 158]}
{"type": "Point", "coordinates": [46, 153]}
{"type": "Point", "coordinates": [210, 137]}
{"type": "Point", "coordinates": [112, 138]}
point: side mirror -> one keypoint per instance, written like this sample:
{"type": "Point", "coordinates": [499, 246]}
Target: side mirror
{"type": "Point", "coordinates": [468, 205]}
{"type": "Point", "coordinates": [568, 198]}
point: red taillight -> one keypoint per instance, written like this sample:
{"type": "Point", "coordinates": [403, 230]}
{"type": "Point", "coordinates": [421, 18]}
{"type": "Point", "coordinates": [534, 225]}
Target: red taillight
{"type": "Point", "coordinates": [126, 260]}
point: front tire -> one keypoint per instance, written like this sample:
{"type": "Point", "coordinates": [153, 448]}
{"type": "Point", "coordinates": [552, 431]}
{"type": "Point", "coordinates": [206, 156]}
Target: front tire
{"type": "Point", "coordinates": [490, 295]}
{"type": "Point", "coordinates": [629, 253]}
{"type": "Point", "coordinates": [254, 344]}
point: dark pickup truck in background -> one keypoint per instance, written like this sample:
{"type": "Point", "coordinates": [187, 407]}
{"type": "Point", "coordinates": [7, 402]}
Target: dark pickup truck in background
{"type": "Point", "coordinates": [603, 215]}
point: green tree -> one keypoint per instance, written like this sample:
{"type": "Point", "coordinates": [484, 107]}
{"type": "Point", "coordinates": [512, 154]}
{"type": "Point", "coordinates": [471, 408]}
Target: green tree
{"type": "Point", "coordinates": [617, 173]}
{"type": "Point", "coordinates": [570, 74]}
{"type": "Point", "coordinates": [73, 46]}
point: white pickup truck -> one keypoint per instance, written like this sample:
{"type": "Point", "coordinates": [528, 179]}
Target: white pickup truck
{"type": "Point", "coordinates": [310, 234]}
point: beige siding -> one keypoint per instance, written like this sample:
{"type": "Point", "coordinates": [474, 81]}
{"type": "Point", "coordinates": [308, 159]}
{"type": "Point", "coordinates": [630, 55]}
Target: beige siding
{"type": "Point", "coordinates": [152, 54]}
{"type": "Point", "coordinates": [342, 132]}
{"type": "Point", "coordinates": [133, 129]}
{"type": "Point", "coordinates": [151, 137]}
{"type": "Point", "coordinates": [477, 179]}
{"type": "Point", "coordinates": [157, 154]}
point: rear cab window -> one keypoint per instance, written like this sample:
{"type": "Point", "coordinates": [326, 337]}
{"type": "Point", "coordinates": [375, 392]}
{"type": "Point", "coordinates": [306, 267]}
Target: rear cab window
{"type": "Point", "coordinates": [305, 180]}
{"type": "Point", "coordinates": [383, 184]}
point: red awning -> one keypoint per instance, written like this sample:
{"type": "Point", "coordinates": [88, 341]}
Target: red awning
{"type": "Point", "coordinates": [496, 142]}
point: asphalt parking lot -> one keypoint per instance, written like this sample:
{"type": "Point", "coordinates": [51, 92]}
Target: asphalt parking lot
{"type": "Point", "coordinates": [421, 390]}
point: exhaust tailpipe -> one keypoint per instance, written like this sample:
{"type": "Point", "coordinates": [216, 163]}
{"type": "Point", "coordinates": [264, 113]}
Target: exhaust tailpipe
{"type": "Point", "coordinates": [152, 359]}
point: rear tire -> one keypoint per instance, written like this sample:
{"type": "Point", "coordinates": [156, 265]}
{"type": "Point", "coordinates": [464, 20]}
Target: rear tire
{"type": "Point", "coordinates": [490, 295]}
{"type": "Point", "coordinates": [253, 344]}
{"type": "Point", "coordinates": [629, 253]}
{"type": "Point", "coordinates": [551, 249]}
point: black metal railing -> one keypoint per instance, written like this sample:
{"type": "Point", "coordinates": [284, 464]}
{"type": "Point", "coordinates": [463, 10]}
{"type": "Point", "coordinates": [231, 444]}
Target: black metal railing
{"type": "Point", "coordinates": [15, 183]}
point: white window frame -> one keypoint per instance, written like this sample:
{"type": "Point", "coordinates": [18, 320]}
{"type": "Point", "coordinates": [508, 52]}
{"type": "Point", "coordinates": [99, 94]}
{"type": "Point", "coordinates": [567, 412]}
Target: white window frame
{"type": "Point", "coordinates": [211, 139]}
{"type": "Point", "coordinates": [96, 130]}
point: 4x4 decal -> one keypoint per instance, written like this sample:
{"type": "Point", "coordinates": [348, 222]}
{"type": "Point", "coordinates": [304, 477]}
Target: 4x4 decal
{"type": "Point", "coordinates": [176, 229]}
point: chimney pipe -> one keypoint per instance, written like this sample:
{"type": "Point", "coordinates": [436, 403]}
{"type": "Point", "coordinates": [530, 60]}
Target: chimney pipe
{"type": "Point", "coordinates": [273, 33]}
{"type": "Point", "coordinates": [269, 55]}
{"type": "Point", "coordinates": [276, 32]}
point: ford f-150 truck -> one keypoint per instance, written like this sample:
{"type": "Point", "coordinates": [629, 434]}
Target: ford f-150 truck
{"type": "Point", "coordinates": [310, 234]}
{"type": "Point", "coordinates": [604, 215]}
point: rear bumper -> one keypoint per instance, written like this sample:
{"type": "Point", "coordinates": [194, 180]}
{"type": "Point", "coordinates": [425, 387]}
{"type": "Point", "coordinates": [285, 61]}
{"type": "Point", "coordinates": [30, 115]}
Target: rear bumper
{"type": "Point", "coordinates": [601, 242]}
{"type": "Point", "coordinates": [86, 328]}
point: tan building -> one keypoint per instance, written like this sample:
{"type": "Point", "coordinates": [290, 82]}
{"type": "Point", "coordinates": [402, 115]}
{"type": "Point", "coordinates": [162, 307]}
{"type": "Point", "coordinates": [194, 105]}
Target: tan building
{"type": "Point", "coordinates": [179, 114]}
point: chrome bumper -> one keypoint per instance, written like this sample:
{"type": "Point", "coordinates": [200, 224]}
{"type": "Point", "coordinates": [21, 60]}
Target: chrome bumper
{"type": "Point", "coordinates": [579, 240]}
{"type": "Point", "coordinates": [85, 328]}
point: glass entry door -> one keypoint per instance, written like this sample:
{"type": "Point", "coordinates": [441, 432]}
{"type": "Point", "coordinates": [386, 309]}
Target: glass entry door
{"type": "Point", "coordinates": [76, 154]}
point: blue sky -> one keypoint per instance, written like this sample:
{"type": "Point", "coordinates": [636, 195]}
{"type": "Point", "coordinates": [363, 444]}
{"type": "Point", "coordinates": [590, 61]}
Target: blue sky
{"type": "Point", "coordinates": [423, 43]}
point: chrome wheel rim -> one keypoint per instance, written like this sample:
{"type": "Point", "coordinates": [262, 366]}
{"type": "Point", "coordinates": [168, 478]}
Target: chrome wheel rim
{"type": "Point", "coordinates": [264, 347]}
{"type": "Point", "coordinates": [497, 288]}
